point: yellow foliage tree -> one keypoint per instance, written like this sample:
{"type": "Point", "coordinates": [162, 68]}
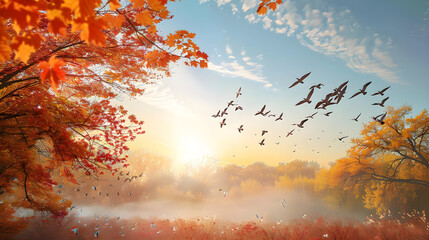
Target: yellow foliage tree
{"type": "Point", "coordinates": [390, 158]}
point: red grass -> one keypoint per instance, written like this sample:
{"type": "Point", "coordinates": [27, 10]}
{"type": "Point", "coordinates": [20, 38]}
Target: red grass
{"type": "Point", "coordinates": [409, 227]}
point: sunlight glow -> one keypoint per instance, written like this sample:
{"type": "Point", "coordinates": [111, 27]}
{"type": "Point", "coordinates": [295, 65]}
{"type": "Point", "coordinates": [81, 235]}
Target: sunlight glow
{"type": "Point", "coordinates": [192, 152]}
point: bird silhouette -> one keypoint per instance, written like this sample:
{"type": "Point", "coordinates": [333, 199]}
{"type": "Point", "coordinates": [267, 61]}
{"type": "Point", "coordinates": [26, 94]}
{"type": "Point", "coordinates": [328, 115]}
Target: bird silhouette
{"type": "Point", "coordinates": [341, 138]}
{"type": "Point", "coordinates": [380, 118]}
{"type": "Point", "coordinates": [381, 92]}
{"type": "Point", "coordinates": [262, 142]}
{"type": "Point", "coordinates": [222, 123]}
{"type": "Point", "coordinates": [217, 114]}
{"type": "Point", "coordinates": [240, 129]}
{"type": "Point", "coordinates": [238, 93]}
{"type": "Point", "coordinates": [312, 115]}
{"type": "Point", "coordinates": [265, 114]}
{"type": "Point", "coordinates": [224, 112]}
{"type": "Point", "coordinates": [290, 133]}
{"type": "Point", "coordinates": [356, 118]}
{"type": "Point", "coordinates": [361, 91]}
{"type": "Point", "coordinates": [280, 117]}
{"type": "Point", "coordinates": [301, 124]}
{"type": "Point", "coordinates": [231, 103]}
{"type": "Point", "coordinates": [263, 132]}
{"type": "Point", "coordinates": [300, 80]}
{"type": "Point", "coordinates": [317, 86]}
{"type": "Point", "coordinates": [261, 112]}
{"type": "Point", "coordinates": [238, 108]}
{"type": "Point", "coordinates": [381, 104]}
{"type": "Point", "coordinates": [307, 99]}
{"type": "Point", "coordinates": [328, 113]}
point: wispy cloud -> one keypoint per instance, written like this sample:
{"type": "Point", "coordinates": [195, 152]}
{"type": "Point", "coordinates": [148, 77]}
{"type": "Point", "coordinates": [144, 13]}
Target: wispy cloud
{"type": "Point", "coordinates": [159, 96]}
{"type": "Point", "coordinates": [328, 31]}
{"type": "Point", "coordinates": [247, 69]}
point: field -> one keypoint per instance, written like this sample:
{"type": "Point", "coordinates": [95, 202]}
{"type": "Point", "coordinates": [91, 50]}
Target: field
{"type": "Point", "coordinates": [405, 226]}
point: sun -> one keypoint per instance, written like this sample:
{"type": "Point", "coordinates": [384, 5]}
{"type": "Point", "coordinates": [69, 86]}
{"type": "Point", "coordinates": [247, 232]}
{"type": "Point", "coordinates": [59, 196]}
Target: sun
{"type": "Point", "coordinates": [192, 152]}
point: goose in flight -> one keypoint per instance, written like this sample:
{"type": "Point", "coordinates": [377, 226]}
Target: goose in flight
{"type": "Point", "coordinates": [290, 133]}
{"type": "Point", "coordinates": [328, 113]}
{"type": "Point", "coordinates": [262, 142]}
{"type": "Point", "coordinates": [317, 86]}
{"type": "Point", "coordinates": [301, 124]}
{"type": "Point", "coordinates": [307, 99]}
{"type": "Point", "coordinates": [231, 103]}
{"type": "Point", "coordinates": [312, 115]}
{"type": "Point", "coordinates": [339, 89]}
{"type": "Point", "coordinates": [261, 112]}
{"type": "Point", "coordinates": [263, 132]}
{"type": "Point", "coordinates": [361, 91]}
{"type": "Point", "coordinates": [224, 112]}
{"type": "Point", "coordinates": [356, 118]}
{"type": "Point", "coordinates": [381, 92]}
{"type": "Point", "coordinates": [217, 115]}
{"type": "Point", "coordinates": [238, 93]}
{"type": "Point", "coordinates": [265, 114]}
{"type": "Point", "coordinates": [280, 117]}
{"type": "Point", "coordinates": [300, 80]}
{"type": "Point", "coordinates": [341, 138]}
{"type": "Point", "coordinates": [382, 102]}
{"type": "Point", "coordinates": [380, 118]}
{"type": "Point", "coordinates": [240, 129]}
{"type": "Point", "coordinates": [222, 123]}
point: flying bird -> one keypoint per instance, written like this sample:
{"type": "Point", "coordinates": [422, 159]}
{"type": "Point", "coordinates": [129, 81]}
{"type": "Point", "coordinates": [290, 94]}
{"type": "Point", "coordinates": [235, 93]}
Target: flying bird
{"type": "Point", "coordinates": [261, 112]}
{"type": "Point", "coordinates": [380, 118]}
{"type": "Point", "coordinates": [263, 132]}
{"type": "Point", "coordinates": [238, 93]}
{"type": "Point", "coordinates": [280, 117]}
{"type": "Point", "coordinates": [238, 108]}
{"type": "Point", "coordinates": [265, 114]}
{"type": "Point", "coordinates": [240, 129]}
{"type": "Point", "coordinates": [311, 116]}
{"type": "Point", "coordinates": [262, 142]}
{"type": "Point", "coordinates": [222, 123]}
{"type": "Point", "coordinates": [301, 124]}
{"type": "Point", "coordinates": [337, 90]}
{"type": "Point", "coordinates": [231, 103]}
{"type": "Point", "coordinates": [317, 86]}
{"type": "Point", "coordinates": [382, 102]}
{"type": "Point", "coordinates": [356, 118]}
{"type": "Point", "coordinates": [381, 92]}
{"type": "Point", "coordinates": [328, 113]}
{"type": "Point", "coordinates": [224, 112]}
{"type": "Point", "coordinates": [217, 115]}
{"type": "Point", "coordinates": [341, 138]}
{"type": "Point", "coordinates": [290, 133]}
{"type": "Point", "coordinates": [300, 80]}
{"type": "Point", "coordinates": [361, 91]}
{"type": "Point", "coordinates": [307, 99]}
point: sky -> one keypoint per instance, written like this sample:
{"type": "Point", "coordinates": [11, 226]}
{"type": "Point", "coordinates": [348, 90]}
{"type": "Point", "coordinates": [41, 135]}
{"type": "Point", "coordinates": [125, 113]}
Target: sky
{"type": "Point", "coordinates": [384, 42]}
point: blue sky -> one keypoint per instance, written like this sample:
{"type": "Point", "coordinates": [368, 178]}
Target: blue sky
{"type": "Point", "coordinates": [357, 41]}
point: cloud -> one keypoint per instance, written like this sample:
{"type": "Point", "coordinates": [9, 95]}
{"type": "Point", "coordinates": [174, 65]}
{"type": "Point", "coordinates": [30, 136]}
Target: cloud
{"type": "Point", "coordinates": [247, 70]}
{"type": "Point", "coordinates": [328, 31]}
{"type": "Point", "coordinates": [158, 96]}
{"type": "Point", "coordinates": [228, 50]}
{"type": "Point", "coordinates": [222, 2]}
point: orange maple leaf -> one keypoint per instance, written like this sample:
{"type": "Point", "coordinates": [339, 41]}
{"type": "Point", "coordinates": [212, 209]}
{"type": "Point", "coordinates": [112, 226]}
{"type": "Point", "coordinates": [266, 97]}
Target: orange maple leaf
{"type": "Point", "coordinates": [52, 70]}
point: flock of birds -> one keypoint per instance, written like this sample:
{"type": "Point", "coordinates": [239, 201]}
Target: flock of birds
{"type": "Point", "coordinates": [332, 98]}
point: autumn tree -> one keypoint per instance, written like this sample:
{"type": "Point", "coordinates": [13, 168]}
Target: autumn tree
{"type": "Point", "coordinates": [63, 63]}
{"type": "Point", "coordinates": [389, 162]}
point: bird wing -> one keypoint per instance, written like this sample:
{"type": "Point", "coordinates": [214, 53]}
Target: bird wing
{"type": "Point", "coordinates": [365, 86]}
{"type": "Point", "coordinates": [304, 76]}
{"type": "Point", "coordinates": [384, 100]}
{"type": "Point", "coordinates": [384, 89]}
{"type": "Point", "coordinates": [354, 95]}
{"type": "Point", "coordinates": [310, 94]}
{"type": "Point", "coordinates": [303, 101]}
{"type": "Point", "coordinates": [303, 121]}
{"type": "Point", "coordinates": [295, 83]}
